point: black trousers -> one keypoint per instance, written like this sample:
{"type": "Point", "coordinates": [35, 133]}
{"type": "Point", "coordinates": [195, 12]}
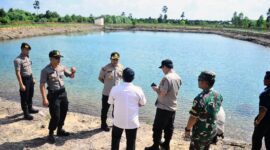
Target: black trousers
{"type": "Point", "coordinates": [27, 95]}
{"type": "Point", "coordinates": [164, 120]}
{"type": "Point", "coordinates": [130, 135]}
{"type": "Point", "coordinates": [58, 106]}
{"type": "Point", "coordinates": [262, 130]}
{"type": "Point", "coordinates": [104, 109]}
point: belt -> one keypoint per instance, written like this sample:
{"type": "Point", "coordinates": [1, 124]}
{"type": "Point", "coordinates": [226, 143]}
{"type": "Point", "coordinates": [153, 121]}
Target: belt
{"type": "Point", "coordinates": [62, 90]}
{"type": "Point", "coordinates": [27, 77]}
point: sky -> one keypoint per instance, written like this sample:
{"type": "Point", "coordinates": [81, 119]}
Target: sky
{"type": "Point", "coordinates": [194, 9]}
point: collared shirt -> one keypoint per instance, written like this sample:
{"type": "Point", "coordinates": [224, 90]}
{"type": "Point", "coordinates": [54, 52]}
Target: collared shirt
{"type": "Point", "coordinates": [126, 99]}
{"type": "Point", "coordinates": [205, 107]}
{"type": "Point", "coordinates": [23, 64]}
{"type": "Point", "coordinates": [54, 77]}
{"type": "Point", "coordinates": [265, 102]}
{"type": "Point", "coordinates": [170, 84]}
{"type": "Point", "coordinates": [110, 76]}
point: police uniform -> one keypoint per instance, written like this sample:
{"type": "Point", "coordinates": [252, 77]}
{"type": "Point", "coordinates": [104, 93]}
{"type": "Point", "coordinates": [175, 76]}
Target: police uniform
{"type": "Point", "coordinates": [57, 96]}
{"type": "Point", "coordinates": [109, 76]}
{"type": "Point", "coordinates": [166, 107]}
{"type": "Point", "coordinates": [205, 107]}
{"type": "Point", "coordinates": [23, 64]}
{"type": "Point", "coordinates": [263, 128]}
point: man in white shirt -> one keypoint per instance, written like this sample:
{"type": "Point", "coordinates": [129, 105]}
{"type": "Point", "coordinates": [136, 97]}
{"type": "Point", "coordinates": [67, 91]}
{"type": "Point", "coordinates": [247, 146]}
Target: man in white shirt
{"type": "Point", "coordinates": [126, 98]}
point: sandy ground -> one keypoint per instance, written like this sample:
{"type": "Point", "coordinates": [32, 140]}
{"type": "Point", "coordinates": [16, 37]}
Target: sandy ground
{"type": "Point", "coordinates": [22, 32]}
{"type": "Point", "coordinates": [17, 133]}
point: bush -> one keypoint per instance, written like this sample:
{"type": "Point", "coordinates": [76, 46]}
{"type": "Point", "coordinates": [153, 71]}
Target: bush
{"type": "Point", "coordinates": [4, 20]}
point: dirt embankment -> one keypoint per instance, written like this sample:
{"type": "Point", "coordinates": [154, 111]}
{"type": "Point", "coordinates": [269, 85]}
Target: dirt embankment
{"type": "Point", "coordinates": [255, 37]}
{"type": "Point", "coordinates": [31, 31]}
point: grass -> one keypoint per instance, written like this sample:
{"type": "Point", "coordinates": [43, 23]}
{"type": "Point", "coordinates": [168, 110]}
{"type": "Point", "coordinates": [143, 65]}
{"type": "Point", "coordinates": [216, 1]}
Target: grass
{"type": "Point", "coordinates": [27, 24]}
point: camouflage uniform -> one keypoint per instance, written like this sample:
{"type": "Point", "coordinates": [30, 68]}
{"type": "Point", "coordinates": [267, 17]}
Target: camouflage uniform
{"type": "Point", "coordinates": [205, 107]}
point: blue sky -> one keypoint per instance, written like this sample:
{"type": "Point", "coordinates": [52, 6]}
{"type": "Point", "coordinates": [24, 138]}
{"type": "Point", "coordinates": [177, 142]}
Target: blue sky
{"type": "Point", "coordinates": [194, 9]}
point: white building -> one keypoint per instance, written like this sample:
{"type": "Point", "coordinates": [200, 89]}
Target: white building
{"type": "Point", "coordinates": [99, 21]}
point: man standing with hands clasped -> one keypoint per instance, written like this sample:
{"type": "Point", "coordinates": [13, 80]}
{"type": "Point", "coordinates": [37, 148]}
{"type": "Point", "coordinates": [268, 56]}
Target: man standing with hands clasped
{"type": "Point", "coordinates": [110, 75]}
{"type": "Point", "coordinates": [53, 74]}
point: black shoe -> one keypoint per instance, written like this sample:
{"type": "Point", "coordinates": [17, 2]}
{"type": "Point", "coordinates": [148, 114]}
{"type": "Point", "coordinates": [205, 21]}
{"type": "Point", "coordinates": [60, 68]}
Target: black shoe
{"type": "Point", "coordinates": [51, 139]}
{"type": "Point", "coordinates": [28, 117]}
{"type": "Point", "coordinates": [62, 132]}
{"type": "Point", "coordinates": [153, 147]}
{"type": "Point", "coordinates": [33, 111]}
{"type": "Point", "coordinates": [105, 128]}
{"type": "Point", "coordinates": [165, 146]}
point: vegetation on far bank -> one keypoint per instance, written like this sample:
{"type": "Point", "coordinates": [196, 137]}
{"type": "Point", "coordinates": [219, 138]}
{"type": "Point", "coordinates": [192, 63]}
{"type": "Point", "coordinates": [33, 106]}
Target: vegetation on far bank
{"type": "Point", "coordinates": [17, 17]}
{"type": "Point", "coordinates": [48, 24]}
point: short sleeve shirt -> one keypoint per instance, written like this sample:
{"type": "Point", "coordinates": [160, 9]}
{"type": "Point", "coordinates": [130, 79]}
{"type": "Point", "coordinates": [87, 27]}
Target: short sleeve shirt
{"type": "Point", "coordinates": [23, 64]}
{"type": "Point", "coordinates": [54, 77]}
{"type": "Point", "coordinates": [126, 99]}
{"type": "Point", "coordinates": [111, 76]}
{"type": "Point", "coordinates": [170, 84]}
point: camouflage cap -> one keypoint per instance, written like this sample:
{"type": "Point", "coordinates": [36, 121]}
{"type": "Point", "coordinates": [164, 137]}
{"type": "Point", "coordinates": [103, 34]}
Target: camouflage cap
{"type": "Point", "coordinates": [207, 76]}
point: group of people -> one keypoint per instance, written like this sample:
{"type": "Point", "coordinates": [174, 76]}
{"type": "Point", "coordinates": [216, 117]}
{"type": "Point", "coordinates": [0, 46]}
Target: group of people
{"type": "Point", "coordinates": [126, 99]}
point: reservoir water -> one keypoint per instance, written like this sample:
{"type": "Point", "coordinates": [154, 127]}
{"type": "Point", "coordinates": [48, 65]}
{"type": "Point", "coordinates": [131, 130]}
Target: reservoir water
{"type": "Point", "coordinates": [240, 67]}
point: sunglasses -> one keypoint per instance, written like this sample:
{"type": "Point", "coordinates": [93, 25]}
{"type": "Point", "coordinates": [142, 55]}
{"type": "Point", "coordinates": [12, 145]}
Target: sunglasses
{"type": "Point", "coordinates": [57, 58]}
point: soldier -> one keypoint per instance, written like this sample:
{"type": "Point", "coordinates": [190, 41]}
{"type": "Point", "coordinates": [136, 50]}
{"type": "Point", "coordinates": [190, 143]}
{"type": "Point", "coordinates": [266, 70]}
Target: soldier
{"type": "Point", "coordinates": [166, 104]}
{"type": "Point", "coordinates": [203, 113]}
{"type": "Point", "coordinates": [110, 75]}
{"type": "Point", "coordinates": [53, 74]}
{"type": "Point", "coordinates": [262, 121]}
{"type": "Point", "coordinates": [26, 81]}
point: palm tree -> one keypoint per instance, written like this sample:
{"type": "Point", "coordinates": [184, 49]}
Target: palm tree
{"type": "Point", "coordinates": [183, 15]}
{"type": "Point", "coordinates": [164, 9]}
{"type": "Point", "coordinates": [36, 5]}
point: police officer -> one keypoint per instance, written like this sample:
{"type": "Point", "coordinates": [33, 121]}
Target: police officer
{"type": "Point", "coordinates": [110, 75]}
{"type": "Point", "coordinates": [203, 113]}
{"type": "Point", "coordinates": [53, 74]}
{"type": "Point", "coordinates": [262, 121]}
{"type": "Point", "coordinates": [166, 104]}
{"type": "Point", "coordinates": [26, 81]}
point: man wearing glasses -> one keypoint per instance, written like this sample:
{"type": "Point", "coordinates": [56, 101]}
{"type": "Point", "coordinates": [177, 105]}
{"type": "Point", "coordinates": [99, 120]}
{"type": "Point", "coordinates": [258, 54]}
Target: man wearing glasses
{"type": "Point", "coordinates": [53, 74]}
{"type": "Point", "coordinates": [202, 120]}
{"type": "Point", "coordinates": [26, 81]}
{"type": "Point", "coordinates": [110, 75]}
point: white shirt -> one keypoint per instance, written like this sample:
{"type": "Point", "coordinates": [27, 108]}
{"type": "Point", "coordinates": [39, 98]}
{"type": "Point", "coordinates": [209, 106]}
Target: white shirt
{"type": "Point", "coordinates": [126, 98]}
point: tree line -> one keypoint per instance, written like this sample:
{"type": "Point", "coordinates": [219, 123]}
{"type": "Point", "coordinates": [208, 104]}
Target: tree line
{"type": "Point", "coordinates": [239, 20]}
{"type": "Point", "coordinates": [17, 15]}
